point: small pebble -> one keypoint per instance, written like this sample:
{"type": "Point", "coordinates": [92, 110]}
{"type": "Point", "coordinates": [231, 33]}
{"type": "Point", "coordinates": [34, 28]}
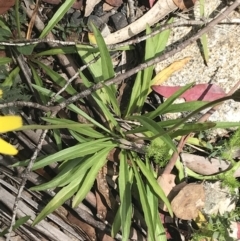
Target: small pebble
{"type": "Point", "coordinates": [119, 20]}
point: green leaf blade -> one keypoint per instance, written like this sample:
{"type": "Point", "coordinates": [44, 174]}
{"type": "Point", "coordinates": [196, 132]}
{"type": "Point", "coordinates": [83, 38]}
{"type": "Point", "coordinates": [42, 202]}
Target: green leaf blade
{"type": "Point", "coordinates": [91, 176]}
{"type": "Point", "coordinates": [125, 182]}
{"type": "Point", "coordinates": [57, 17]}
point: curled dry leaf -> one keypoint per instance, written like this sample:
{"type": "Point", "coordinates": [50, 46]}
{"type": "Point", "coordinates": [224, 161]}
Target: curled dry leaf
{"type": "Point", "coordinates": [206, 166]}
{"type": "Point", "coordinates": [184, 4]}
{"type": "Point", "coordinates": [6, 5]}
{"type": "Point", "coordinates": [189, 201]}
{"type": "Point", "coordinates": [168, 71]}
{"type": "Point", "coordinates": [205, 92]}
{"type": "Point", "coordinates": [166, 182]}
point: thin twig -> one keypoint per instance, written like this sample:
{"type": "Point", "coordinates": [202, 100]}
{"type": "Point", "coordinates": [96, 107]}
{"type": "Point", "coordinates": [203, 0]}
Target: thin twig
{"type": "Point", "coordinates": [27, 104]}
{"type": "Point", "coordinates": [25, 175]}
{"type": "Point", "coordinates": [69, 81]}
{"type": "Point", "coordinates": [181, 23]}
{"type": "Point", "coordinates": [31, 23]}
{"type": "Point", "coordinates": [131, 8]}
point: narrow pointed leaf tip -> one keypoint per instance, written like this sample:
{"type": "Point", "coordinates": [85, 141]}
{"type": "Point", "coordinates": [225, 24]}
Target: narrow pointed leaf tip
{"type": "Point", "coordinates": [205, 92]}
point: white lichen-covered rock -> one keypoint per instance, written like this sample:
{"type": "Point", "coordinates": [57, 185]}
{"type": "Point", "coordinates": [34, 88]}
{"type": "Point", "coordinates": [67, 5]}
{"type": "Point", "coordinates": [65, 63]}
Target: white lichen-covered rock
{"type": "Point", "coordinates": [223, 67]}
{"type": "Point", "coordinates": [218, 199]}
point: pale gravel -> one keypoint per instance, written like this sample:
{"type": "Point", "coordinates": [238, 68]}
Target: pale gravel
{"type": "Point", "coordinates": [224, 59]}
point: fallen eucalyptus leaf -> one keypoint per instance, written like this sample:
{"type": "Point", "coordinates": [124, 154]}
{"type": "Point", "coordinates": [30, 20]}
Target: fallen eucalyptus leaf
{"type": "Point", "coordinates": [205, 92]}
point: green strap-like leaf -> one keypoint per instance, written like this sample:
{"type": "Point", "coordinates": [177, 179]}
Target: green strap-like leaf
{"type": "Point", "coordinates": [38, 82]}
{"type": "Point", "coordinates": [102, 104]}
{"type": "Point", "coordinates": [192, 127]}
{"type": "Point", "coordinates": [57, 17]}
{"type": "Point", "coordinates": [17, 224]}
{"type": "Point", "coordinates": [144, 202]}
{"type": "Point", "coordinates": [125, 183]}
{"type": "Point", "coordinates": [91, 176]}
{"type": "Point", "coordinates": [155, 129]}
{"type": "Point", "coordinates": [57, 78]}
{"type": "Point", "coordinates": [63, 177]}
{"type": "Point", "coordinates": [63, 195]}
{"type": "Point", "coordinates": [71, 107]}
{"type": "Point", "coordinates": [79, 150]}
{"type": "Point", "coordinates": [85, 129]}
{"type": "Point", "coordinates": [154, 46]}
{"type": "Point", "coordinates": [168, 102]}
{"type": "Point", "coordinates": [107, 66]}
{"type": "Point", "coordinates": [154, 184]}
{"type": "Point", "coordinates": [186, 106]}
{"type": "Point", "coordinates": [160, 233]}
{"type": "Point", "coordinates": [11, 77]}
{"type": "Point", "coordinates": [5, 60]}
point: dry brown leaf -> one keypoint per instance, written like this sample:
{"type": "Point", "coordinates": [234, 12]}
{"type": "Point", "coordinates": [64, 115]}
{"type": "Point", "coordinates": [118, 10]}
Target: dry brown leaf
{"type": "Point", "coordinates": [102, 189]}
{"type": "Point", "coordinates": [78, 4]}
{"type": "Point", "coordinates": [204, 165]}
{"type": "Point", "coordinates": [2, 54]}
{"type": "Point", "coordinates": [85, 227]}
{"type": "Point", "coordinates": [189, 201]}
{"type": "Point", "coordinates": [167, 72]}
{"type": "Point", "coordinates": [100, 206]}
{"type": "Point", "coordinates": [115, 3]}
{"type": "Point", "coordinates": [184, 4]}
{"type": "Point", "coordinates": [6, 5]}
{"type": "Point", "coordinates": [104, 237]}
{"type": "Point", "coordinates": [107, 7]}
{"type": "Point", "coordinates": [166, 182]}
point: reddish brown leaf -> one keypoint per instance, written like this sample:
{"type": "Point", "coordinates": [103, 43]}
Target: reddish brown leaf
{"type": "Point", "coordinates": [76, 5]}
{"type": "Point", "coordinates": [6, 5]}
{"type": "Point", "coordinates": [166, 182]}
{"type": "Point", "coordinates": [184, 4]}
{"type": "Point", "coordinates": [115, 3]}
{"type": "Point", "coordinates": [151, 2]}
{"type": "Point", "coordinates": [206, 92]}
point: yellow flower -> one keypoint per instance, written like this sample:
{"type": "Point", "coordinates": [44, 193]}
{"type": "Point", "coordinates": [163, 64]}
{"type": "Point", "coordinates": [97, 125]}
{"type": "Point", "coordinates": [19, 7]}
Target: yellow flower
{"type": "Point", "coordinates": [1, 94]}
{"type": "Point", "coordinates": [8, 123]}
